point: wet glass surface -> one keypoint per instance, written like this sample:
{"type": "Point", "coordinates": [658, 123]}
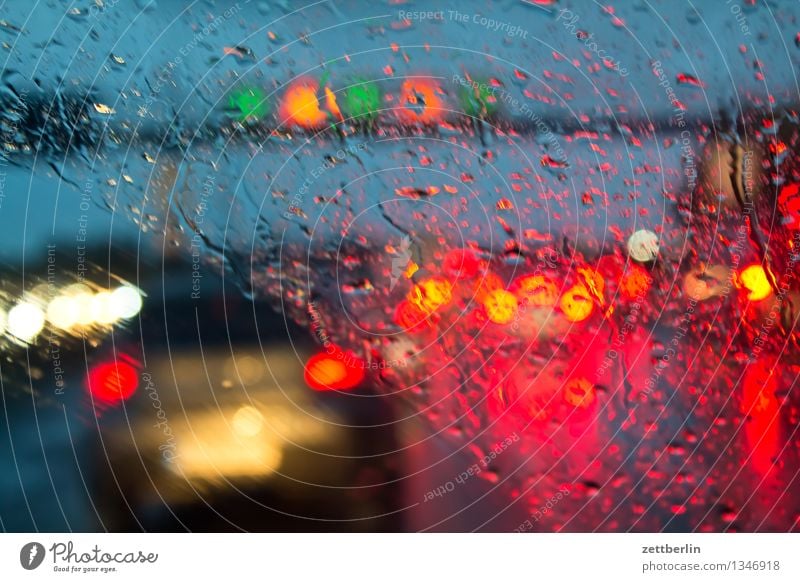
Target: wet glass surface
{"type": "Point", "coordinates": [502, 266]}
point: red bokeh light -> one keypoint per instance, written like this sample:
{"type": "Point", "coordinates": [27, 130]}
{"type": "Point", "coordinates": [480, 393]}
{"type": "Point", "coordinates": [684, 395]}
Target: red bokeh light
{"type": "Point", "coordinates": [112, 382]}
{"type": "Point", "coordinates": [761, 408]}
{"type": "Point", "coordinates": [334, 369]}
{"type": "Point", "coordinates": [461, 264]}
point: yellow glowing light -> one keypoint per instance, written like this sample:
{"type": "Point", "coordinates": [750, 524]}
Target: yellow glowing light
{"type": "Point", "coordinates": [501, 306]}
{"type": "Point", "coordinates": [537, 290]}
{"type": "Point", "coordinates": [431, 294]}
{"type": "Point", "coordinates": [576, 303]}
{"type": "Point", "coordinates": [754, 279]}
{"type": "Point", "coordinates": [25, 321]}
{"type": "Point", "coordinates": [579, 392]}
{"type": "Point", "coordinates": [248, 421]}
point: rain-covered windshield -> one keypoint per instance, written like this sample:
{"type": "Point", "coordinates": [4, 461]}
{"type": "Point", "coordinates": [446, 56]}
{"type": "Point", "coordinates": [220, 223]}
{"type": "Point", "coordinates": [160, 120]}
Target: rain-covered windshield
{"type": "Point", "coordinates": [500, 266]}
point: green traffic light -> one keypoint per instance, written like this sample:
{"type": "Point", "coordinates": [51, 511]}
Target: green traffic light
{"type": "Point", "coordinates": [248, 104]}
{"type": "Point", "coordinates": [478, 100]}
{"type": "Point", "coordinates": [362, 101]}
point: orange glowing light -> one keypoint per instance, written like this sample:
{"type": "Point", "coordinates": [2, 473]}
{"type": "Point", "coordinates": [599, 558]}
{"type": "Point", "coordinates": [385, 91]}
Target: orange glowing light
{"type": "Point", "coordinates": [536, 290]}
{"type": "Point", "coordinates": [411, 268]}
{"type": "Point", "coordinates": [333, 107]}
{"type": "Point", "coordinates": [634, 283]}
{"type": "Point", "coordinates": [754, 279]}
{"type": "Point", "coordinates": [431, 294]}
{"type": "Point", "coordinates": [576, 303]}
{"type": "Point", "coordinates": [486, 284]}
{"type": "Point", "coordinates": [501, 306]}
{"type": "Point", "coordinates": [593, 281]}
{"type": "Point", "coordinates": [301, 106]}
{"type": "Point", "coordinates": [113, 382]}
{"type": "Point", "coordinates": [410, 317]}
{"type": "Point", "coordinates": [579, 392]}
{"type": "Point", "coordinates": [421, 100]}
{"type": "Point", "coordinates": [334, 369]}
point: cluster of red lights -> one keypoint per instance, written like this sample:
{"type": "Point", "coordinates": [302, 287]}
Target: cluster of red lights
{"type": "Point", "coordinates": [468, 284]}
{"type": "Point", "coordinates": [464, 288]}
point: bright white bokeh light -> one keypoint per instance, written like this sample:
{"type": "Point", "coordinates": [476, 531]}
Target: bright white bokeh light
{"type": "Point", "coordinates": [84, 308]}
{"type": "Point", "coordinates": [79, 306]}
{"type": "Point", "coordinates": [3, 318]}
{"type": "Point", "coordinates": [25, 321]}
{"type": "Point", "coordinates": [103, 308]}
{"type": "Point", "coordinates": [126, 302]}
{"type": "Point", "coordinates": [62, 312]}
{"type": "Point", "coordinates": [643, 246]}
